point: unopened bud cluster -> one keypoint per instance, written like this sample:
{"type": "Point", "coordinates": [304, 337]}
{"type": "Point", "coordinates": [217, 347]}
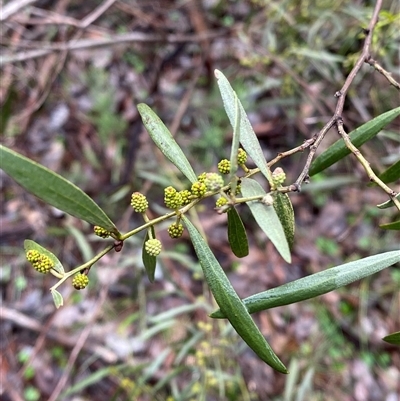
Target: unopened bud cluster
{"type": "Point", "coordinates": [221, 202]}
{"type": "Point", "coordinates": [139, 202]}
{"type": "Point", "coordinates": [224, 166]}
{"type": "Point", "coordinates": [278, 177]}
{"type": "Point", "coordinates": [175, 230]}
{"type": "Point", "coordinates": [101, 232]}
{"type": "Point", "coordinates": [172, 198]}
{"type": "Point", "coordinates": [40, 262]}
{"type": "Point", "coordinates": [153, 247]}
{"type": "Point", "coordinates": [198, 189]}
{"type": "Point", "coordinates": [80, 281]}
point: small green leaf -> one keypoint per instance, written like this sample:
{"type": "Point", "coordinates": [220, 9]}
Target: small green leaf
{"type": "Point", "coordinates": [30, 245]}
{"type": "Point", "coordinates": [358, 137]}
{"type": "Point", "coordinates": [229, 302]}
{"type": "Point", "coordinates": [284, 209]}
{"type": "Point", "coordinates": [395, 225]}
{"type": "Point", "coordinates": [266, 217]}
{"type": "Point", "coordinates": [248, 138]}
{"type": "Point", "coordinates": [237, 234]}
{"type": "Point", "coordinates": [53, 189]}
{"type": "Point", "coordinates": [393, 338]}
{"type": "Point", "coordinates": [318, 283]}
{"type": "Point", "coordinates": [149, 261]}
{"type": "Point", "coordinates": [391, 174]}
{"type": "Point", "coordinates": [57, 298]}
{"type": "Point", "coordinates": [164, 140]}
{"type": "Point", "coordinates": [388, 203]}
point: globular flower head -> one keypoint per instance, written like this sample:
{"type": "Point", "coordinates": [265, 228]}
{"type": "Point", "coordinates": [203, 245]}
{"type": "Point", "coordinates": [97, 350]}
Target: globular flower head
{"type": "Point", "coordinates": [241, 156]}
{"type": "Point", "coordinates": [221, 202]}
{"type": "Point", "coordinates": [172, 198]}
{"type": "Point", "coordinates": [40, 262]}
{"type": "Point", "coordinates": [80, 281]}
{"type": "Point", "coordinates": [175, 230]}
{"type": "Point", "coordinates": [278, 177]}
{"type": "Point", "coordinates": [202, 177]}
{"type": "Point", "coordinates": [213, 181]}
{"type": "Point", "coordinates": [153, 247]}
{"type": "Point", "coordinates": [101, 232]}
{"type": "Point", "coordinates": [224, 166]}
{"type": "Point", "coordinates": [185, 195]}
{"type": "Point", "coordinates": [198, 189]}
{"type": "Point", "coordinates": [139, 202]}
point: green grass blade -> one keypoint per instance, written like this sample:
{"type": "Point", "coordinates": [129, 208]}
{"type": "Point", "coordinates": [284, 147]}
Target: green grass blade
{"type": "Point", "coordinates": [237, 234]}
{"type": "Point", "coordinates": [358, 137]}
{"type": "Point", "coordinates": [164, 140]}
{"type": "Point", "coordinates": [229, 302]}
{"type": "Point", "coordinates": [248, 138]}
{"type": "Point", "coordinates": [318, 283]}
{"type": "Point", "coordinates": [53, 189]}
{"type": "Point", "coordinates": [266, 217]}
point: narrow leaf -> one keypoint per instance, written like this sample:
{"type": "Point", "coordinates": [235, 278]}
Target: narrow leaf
{"type": "Point", "coordinates": [30, 245]}
{"type": "Point", "coordinates": [165, 141]}
{"type": "Point", "coordinates": [235, 141]}
{"type": "Point", "coordinates": [393, 338]}
{"type": "Point", "coordinates": [391, 174]}
{"type": "Point", "coordinates": [358, 137]}
{"type": "Point", "coordinates": [229, 302]}
{"type": "Point", "coordinates": [248, 138]}
{"type": "Point", "coordinates": [266, 217]}
{"type": "Point", "coordinates": [395, 225]}
{"type": "Point", "coordinates": [388, 203]}
{"type": "Point", "coordinates": [57, 298]}
{"type": "Point", "coordinates": [318, 283]}
{"type": "Point", "coordinates": [237, 234]}
{"type": "Point", "coordinates": [149, 261]}
{"type": "Point", "coordinates": [53, 189]}
{"type": "Point", "coordinates": [284, 209]}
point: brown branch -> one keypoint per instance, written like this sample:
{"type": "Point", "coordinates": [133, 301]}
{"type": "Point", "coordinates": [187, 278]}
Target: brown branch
{"type": "Point", "coordinates": [341, 95]}
{"type": "Point", "coordinates": [372, 176]}
{"type": "Point", "coordinates": [47, 48]}
{"type": "Point", "coordinates": [386, 74]}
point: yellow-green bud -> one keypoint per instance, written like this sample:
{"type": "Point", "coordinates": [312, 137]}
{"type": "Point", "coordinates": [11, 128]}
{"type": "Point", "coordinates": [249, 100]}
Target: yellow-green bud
{"type": "Point", "coordinates": [185, 195]}
{"type": "Point", "coordinates": [213, 181]}
{"type": "Point", "coordinates": [202, 177]}
{"type": "Point", "coordinates": [198, 189]}
{"type": "Point", "coordinates": [175, 230]}
{"type": "Point", "coordinates": [278, 177]}
{"type": "Point", "coordinates": [172, 198]}
{"type": "Point", "coordinates": [153, 247]}
{"type": "Point", "coordinates": [101, 232]}
{"type": "Point", "coordinates": [221, 202]}
{"type": "Point", "coordinates": [80, 281]}
{"type": "Point", "coordinates": [241, 156]}
{"type": "Point", "coordinates": [40, 262]}
{"type": "Point", "coordinates": [139, 202]}
{"type": "Point", "coordinates": [224, 166]}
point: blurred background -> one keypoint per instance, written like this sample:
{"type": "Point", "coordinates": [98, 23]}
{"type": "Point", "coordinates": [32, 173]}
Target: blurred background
{"type": "Point", "coordinates": [72, 74]}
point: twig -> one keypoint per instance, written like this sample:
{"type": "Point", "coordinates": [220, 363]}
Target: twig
{"type": "Point", "coordinates": [13, 7]}
{"type": "Point", "coordinates": [386, 74]}
{"type": "Point", "coordinates": [341, 95]}
{"type": "Point", "coordinates": [73, 45]}
{"type": "Point", "coordinates": [372, 176]}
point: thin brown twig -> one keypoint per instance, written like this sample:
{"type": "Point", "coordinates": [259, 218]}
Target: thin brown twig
{"type": "Point", "coordinates": [73, 45]}
{"type": "Point", "coordinates": [13, 7]}
{"type": "Point", "coordinates": [386, 74]}
{"type": "Point", "coordinates": [341, 95]}
{"type": "Point", "coordinates": [372, 176]}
